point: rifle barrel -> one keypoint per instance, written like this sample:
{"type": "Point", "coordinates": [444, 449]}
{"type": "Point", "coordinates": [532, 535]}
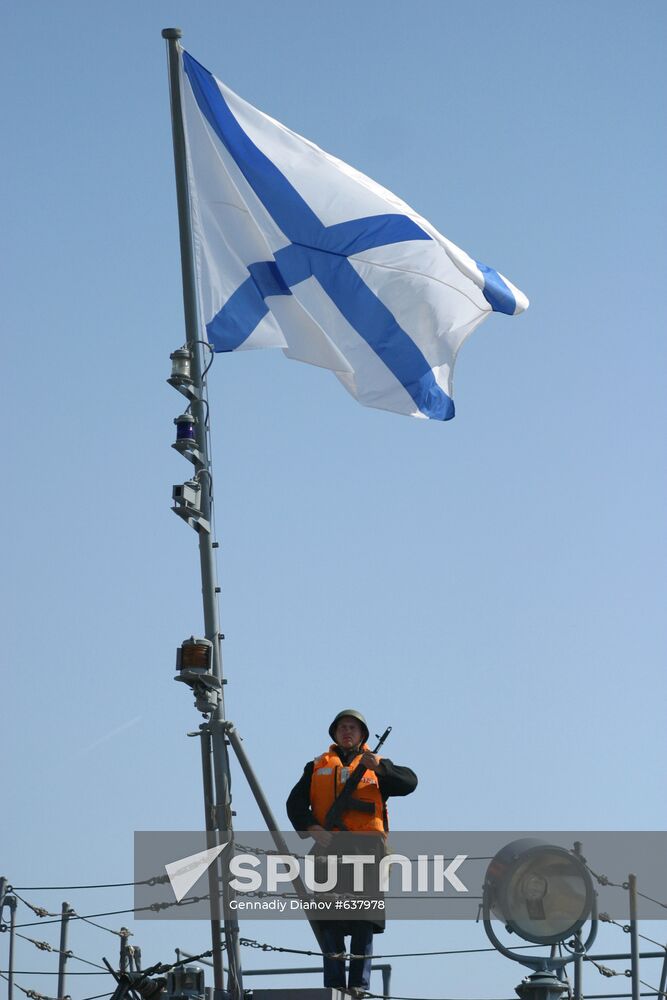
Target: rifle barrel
{"type": "Point", "coordinates": [383, 738]}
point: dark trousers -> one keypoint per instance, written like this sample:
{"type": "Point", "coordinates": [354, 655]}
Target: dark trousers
{"type": "Point", "coordinates": [361, 943]}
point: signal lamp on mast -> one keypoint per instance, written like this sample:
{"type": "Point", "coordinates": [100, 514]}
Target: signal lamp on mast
{"type": "Point", "coordinates": [194, 654]}
{"type": "Point", "coordinates": [194, 662]}
{"type": "Point", "coordinates": [186, 432]}
{"type": "Point", "coordinates": [181, 367]}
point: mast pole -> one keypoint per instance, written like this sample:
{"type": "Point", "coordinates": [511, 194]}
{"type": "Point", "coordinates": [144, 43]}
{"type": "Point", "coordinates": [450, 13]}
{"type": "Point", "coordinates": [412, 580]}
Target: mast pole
{"type": "Point", "coordinates": [222, 807]}
{"type": "Point", "coordinates": [66, 912]}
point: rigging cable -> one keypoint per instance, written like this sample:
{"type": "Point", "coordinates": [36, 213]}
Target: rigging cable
{"type": "Point", "coordinates": [246, 848]}
{"type": "Point", "coordinates": [45, 946]}
{"type": "Point", "coordinates": [252, 943]}
{"type": "Point", "coordinates": [652, 900]}
{"type": "Point", "coordinates": [122, 933]}
{"type": "Point", "coordinates": [155, 880]}
{"type": "Point", "coordinates": [604, 881]}
{"type": "Point", "coordinates": [154, 907]}
{"type": "Point", "coordinates": [39, 911]}
{"type": "Point", "coordinates": [48, 972]}
{"type": "Point", "coordinates": [626, 928]}
{"type": "Point", "coordinates": [649, 987]}
{"type": "Point", "coordinates": [34, 995]}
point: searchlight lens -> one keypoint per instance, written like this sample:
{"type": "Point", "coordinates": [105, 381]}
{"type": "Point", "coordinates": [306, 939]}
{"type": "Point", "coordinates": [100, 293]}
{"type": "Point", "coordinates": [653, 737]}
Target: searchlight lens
{"type": "Point", "coordinates": [541, 892]}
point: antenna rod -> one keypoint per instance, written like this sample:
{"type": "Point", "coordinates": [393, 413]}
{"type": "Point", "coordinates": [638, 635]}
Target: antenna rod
{"type": "Point", "coordinates": [222, 811]}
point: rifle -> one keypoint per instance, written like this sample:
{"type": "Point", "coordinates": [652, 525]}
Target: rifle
{"type": "Point", "coordinates": [345, 800]}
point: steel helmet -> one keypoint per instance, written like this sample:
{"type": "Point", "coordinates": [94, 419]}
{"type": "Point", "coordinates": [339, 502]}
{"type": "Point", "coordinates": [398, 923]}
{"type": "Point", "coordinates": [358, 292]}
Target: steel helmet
{"type": "Point", "coordinates": [355, 715]}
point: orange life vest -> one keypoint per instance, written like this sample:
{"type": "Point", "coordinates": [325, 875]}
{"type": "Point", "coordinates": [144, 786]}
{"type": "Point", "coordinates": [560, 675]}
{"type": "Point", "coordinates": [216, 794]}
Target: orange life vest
{"type": "Point", "coordinates": [328, 781]}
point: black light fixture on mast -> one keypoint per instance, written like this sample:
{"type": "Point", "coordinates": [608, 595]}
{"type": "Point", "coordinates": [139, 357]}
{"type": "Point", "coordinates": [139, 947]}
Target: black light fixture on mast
{"type": "Point", "coordinates": [545, 895]}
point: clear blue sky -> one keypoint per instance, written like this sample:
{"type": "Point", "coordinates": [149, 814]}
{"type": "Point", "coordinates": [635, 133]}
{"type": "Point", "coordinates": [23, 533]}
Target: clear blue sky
{"type": "Point", "coordinates": [494, 587]}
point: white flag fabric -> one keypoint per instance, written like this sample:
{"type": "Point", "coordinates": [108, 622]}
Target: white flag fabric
{"type": "Point", "coordinates": [297, 250]}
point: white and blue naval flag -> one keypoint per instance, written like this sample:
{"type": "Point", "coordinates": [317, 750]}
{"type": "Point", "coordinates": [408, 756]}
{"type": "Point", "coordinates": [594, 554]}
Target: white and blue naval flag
{"type": "Point", "coordinates": [295, 249]}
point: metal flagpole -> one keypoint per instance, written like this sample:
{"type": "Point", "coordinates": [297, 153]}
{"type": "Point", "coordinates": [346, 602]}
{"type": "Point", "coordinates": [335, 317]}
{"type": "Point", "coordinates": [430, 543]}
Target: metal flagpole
{"type": "Point", "coordinates": [220, 759]}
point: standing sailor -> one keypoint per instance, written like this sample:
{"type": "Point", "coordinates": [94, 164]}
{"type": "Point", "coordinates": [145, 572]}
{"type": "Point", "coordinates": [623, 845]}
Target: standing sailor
{"type": "Point", "coordinates": [308, 804]}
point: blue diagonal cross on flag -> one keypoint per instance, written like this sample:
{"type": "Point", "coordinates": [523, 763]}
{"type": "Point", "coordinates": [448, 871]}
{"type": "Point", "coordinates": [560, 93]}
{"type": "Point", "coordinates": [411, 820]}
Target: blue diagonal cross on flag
{"type": "Point", "coordinates": [296, 249]}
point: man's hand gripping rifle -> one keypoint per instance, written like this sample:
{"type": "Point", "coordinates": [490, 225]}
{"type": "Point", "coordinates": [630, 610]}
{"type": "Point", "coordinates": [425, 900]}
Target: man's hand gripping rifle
{"type": "Point", "coordinates": [346, 801]}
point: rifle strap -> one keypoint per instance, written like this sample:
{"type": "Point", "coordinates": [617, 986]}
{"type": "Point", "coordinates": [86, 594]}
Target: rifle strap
{"type": "Point", "coordinates": [360, 805]}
